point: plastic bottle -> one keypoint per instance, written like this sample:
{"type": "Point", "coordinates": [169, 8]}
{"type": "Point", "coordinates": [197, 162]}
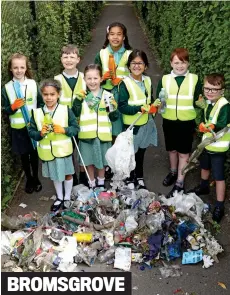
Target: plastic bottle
{"type": "Point", "coordinates": [121, 229]}
{"type": "Point", "coordinates": [109, 107]}
{"type": "Point", "coordinates": [106, 255]}
{"type": "Point", "coordinates": [49, 121]}
{"type": "Point", "coordinates": [162, 97]}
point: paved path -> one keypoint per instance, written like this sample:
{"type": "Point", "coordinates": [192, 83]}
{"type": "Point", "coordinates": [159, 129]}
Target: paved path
{"type": "Point", "coordinates": [149, 282]}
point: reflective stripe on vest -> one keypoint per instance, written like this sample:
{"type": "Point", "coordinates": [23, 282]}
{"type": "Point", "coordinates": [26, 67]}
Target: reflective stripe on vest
{"type": "Point", "coordinates": [67, 95]}
{"type": "Point", "coordinates": [222, 144]}
{"type": "Point", "coordinates": [180, 100]}
{"type": "Point", "coordinates": [94, 124]}
{"type": "Point", "coordinates": [16, 120]}
{"type": "Point", "coordinates": [122, 70]}
{"type": "Point", "coordinates": [61, 145]}
{"type": "Point", "coordinates": [137, 98]}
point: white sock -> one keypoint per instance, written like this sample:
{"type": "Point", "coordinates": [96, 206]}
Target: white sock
{"type": "Point", "coordinates": [58, 188]}
{"type": "Point", "coordinates": [100, 181]}
{"type": "Point", "coordinates": [93, 183]}
{"type": "Point", "coordinates": [68, 188]}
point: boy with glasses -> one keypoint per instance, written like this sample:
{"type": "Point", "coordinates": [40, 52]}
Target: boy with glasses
{"type": "Point", "coordinates": [216, 117]}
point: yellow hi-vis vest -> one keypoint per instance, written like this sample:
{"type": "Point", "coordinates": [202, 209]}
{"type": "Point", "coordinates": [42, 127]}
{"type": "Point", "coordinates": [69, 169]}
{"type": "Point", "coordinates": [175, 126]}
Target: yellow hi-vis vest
{"type": "Point", "coordinates": [222, 144]}
{"type": "Point", "coordinates": [16, 120]}
{"type": "Point", "coordinates": [137, 98]}
{"type": "Point", "coordinates": [180, 100]}
{"type": "Point", "coordinates": [61, 145]}
{"type": "Point", "coordinates": [67, 95]}
{"type": "Point", "coordinates": [95, 124]}
{"type": "Point", "coordinates": [121, 71]}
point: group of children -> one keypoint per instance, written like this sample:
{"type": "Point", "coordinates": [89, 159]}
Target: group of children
{"type": "Point", "coordinates": [93, 107]}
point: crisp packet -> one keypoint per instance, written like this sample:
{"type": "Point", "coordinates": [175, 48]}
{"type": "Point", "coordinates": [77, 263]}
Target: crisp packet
{"type": "Point", "coordinates": [192, 257]}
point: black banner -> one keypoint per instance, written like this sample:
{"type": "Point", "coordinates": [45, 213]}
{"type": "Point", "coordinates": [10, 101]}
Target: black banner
{"type": "Point", "coordinates": [41, 283]}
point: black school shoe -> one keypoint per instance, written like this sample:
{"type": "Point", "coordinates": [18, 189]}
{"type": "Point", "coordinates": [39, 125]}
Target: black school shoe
{"type": "Point", "coordinates": [29, 186]}
{"type": "Point", "coordinates": [175, 188]}
{"type": "Point", "coordinates": [108, 173]}
{"type": "Point", "coordinates": [198, 190]}
{"type": "Point", "coordinates": [57, 207]}
{"type": "Point", "coordinates": [218, 213]}
{"type": "Point", "coordinates": [170, 179]}
{"type": "Point", "coordinates": [37, 185]}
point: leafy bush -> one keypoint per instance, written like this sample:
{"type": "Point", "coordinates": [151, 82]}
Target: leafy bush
{"type": "Point", "coordinates": [39, 29]}
{"type": "Point", "coordinates": [201, 27]}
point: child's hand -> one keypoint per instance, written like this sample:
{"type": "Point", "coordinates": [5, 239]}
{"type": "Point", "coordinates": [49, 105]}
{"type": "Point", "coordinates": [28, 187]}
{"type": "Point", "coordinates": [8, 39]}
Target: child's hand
{"type": "Point", "coordinates": [206, 127]}
{"type": "Point", "coordinates": [107, 75]}
{"type": "Point", "coordinates": [58, 129]}
{"type": "Point", "coordinates": [201, 102]}
{"type": "Point", "coordinates": [18, 103]}
{"type": "Point", "coordinates": [81, 95]}
{"type": "Point", "coordinates": [157, 102]}
{"type": "Point", "coordinates": [45, 130]}
{"type": "Point", "coordinates": [145, 108]}
{"type": "Point", "coordinates": [153, 109]}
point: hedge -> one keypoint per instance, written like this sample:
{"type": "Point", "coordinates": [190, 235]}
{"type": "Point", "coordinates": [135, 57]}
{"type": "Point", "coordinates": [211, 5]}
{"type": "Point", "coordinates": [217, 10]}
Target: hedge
{"type": "Point", "coordinates": [39, 29]}
{"type": "Point", "coordinates": [202, 27]}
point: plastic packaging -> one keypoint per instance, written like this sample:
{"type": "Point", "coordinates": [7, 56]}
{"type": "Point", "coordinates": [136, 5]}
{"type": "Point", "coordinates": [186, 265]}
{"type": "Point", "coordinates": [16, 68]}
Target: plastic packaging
{"type": "Point", "coordinates": [106, 255]}
{"type": "Point", "coordinates": [162, 97]}
{"type": "Point", "coordinates": [130, 224]}
{"type": "Point", "coordinates": [49, 122]}
{"type": "Point", "coordinates": [123, 258]}
{"type": "Point", "coordinates": [192, 257]}
{"type": "Point", "coordinates": [109, 107]}
{"type": "Point", "coordinates": [17, 222]}
{"type": "Point", "coordinates": [170, 271]}
{"type": "Point", "coordinates": [83, 237]}
{"type": "Point", "coordinates": [154, 221]}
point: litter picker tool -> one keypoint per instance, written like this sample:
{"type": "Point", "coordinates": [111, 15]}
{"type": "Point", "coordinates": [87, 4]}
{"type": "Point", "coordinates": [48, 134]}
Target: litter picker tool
{"type": "Point", "coordinates": [83, 163]}
{"type": "Point", "coordinates": [24, 109]}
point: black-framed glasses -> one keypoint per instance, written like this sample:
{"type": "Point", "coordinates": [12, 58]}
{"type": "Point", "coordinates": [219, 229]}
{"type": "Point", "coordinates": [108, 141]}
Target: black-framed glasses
{"type": "Point", "coordinates": [212, 90]}
{"type": "Point", "coordinates": [137, 63]}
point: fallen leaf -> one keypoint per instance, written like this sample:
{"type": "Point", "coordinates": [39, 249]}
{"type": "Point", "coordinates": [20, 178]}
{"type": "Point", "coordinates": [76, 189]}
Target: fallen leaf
{"type": "Point", "coordinates": [222, 285]}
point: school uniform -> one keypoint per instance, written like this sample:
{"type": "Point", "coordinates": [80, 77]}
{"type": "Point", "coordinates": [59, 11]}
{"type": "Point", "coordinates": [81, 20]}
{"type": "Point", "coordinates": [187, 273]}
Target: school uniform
{"type": "Point", "coordinates": [95, 135]}
{"type": "Point", "coordinates": [55, 152]}
{"type": "Point", "coordinates": [71, 86]}
{"type": "Point", "coordinates": [133, 95]}
{"type": "Point", "coordinates": [214, 156]}
{"type": "Point", "coordinates": [179, 117]}
{"type": "Point", "coordinates": [20, 140]}
{"type": "Point", "coordinates": [121, 58]}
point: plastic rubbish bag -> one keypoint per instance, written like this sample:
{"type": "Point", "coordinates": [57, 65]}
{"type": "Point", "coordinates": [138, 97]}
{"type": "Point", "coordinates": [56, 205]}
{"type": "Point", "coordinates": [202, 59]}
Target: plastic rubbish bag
{"type": "Point", "coordinates": [121, 156]}
{"type": "Point", "coordinates": [130, 224]}
{"type": "Point", "coordinates": [188, 204]}
{"type": "Point", "coordinates": [13, 222]}
{"type": "Point", "coordinates": [5, 242]}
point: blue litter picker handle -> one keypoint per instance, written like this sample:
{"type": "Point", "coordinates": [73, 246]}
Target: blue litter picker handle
{"type": "Point", "coordinates": [24, 109]}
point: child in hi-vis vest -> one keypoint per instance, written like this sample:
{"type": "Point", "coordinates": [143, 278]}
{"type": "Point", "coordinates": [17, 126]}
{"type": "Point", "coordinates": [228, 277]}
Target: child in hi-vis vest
{"type": "Point", "coordinates": [96, 109]}
{"type": "Point", "coordinates": [216, 117]}
{"type": "Point", "coordinates": [113, 59]}
{"type": "Point", "coordinates": [72, 81]}
{"type": "Point", "coordinates": [20, 71]}
{"type": "Point", "coordinates": [53, 126]}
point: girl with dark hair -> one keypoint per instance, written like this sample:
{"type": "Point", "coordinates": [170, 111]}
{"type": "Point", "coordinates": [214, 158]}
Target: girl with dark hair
{"type": "Point", "coordinates": [96, 109]}
{"type": "Point", "coordinates": [113, 59]}
{"type": "Point", "coordinates": [55, 146]}
{"type": "Point", "coordinates": [136, 96]}
{"type": "Point", "coordinates": [19, 70]}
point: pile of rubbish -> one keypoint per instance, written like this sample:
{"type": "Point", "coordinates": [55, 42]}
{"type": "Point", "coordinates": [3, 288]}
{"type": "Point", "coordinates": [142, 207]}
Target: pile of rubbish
{"type": "Point", "coordinates": [113, 227]}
